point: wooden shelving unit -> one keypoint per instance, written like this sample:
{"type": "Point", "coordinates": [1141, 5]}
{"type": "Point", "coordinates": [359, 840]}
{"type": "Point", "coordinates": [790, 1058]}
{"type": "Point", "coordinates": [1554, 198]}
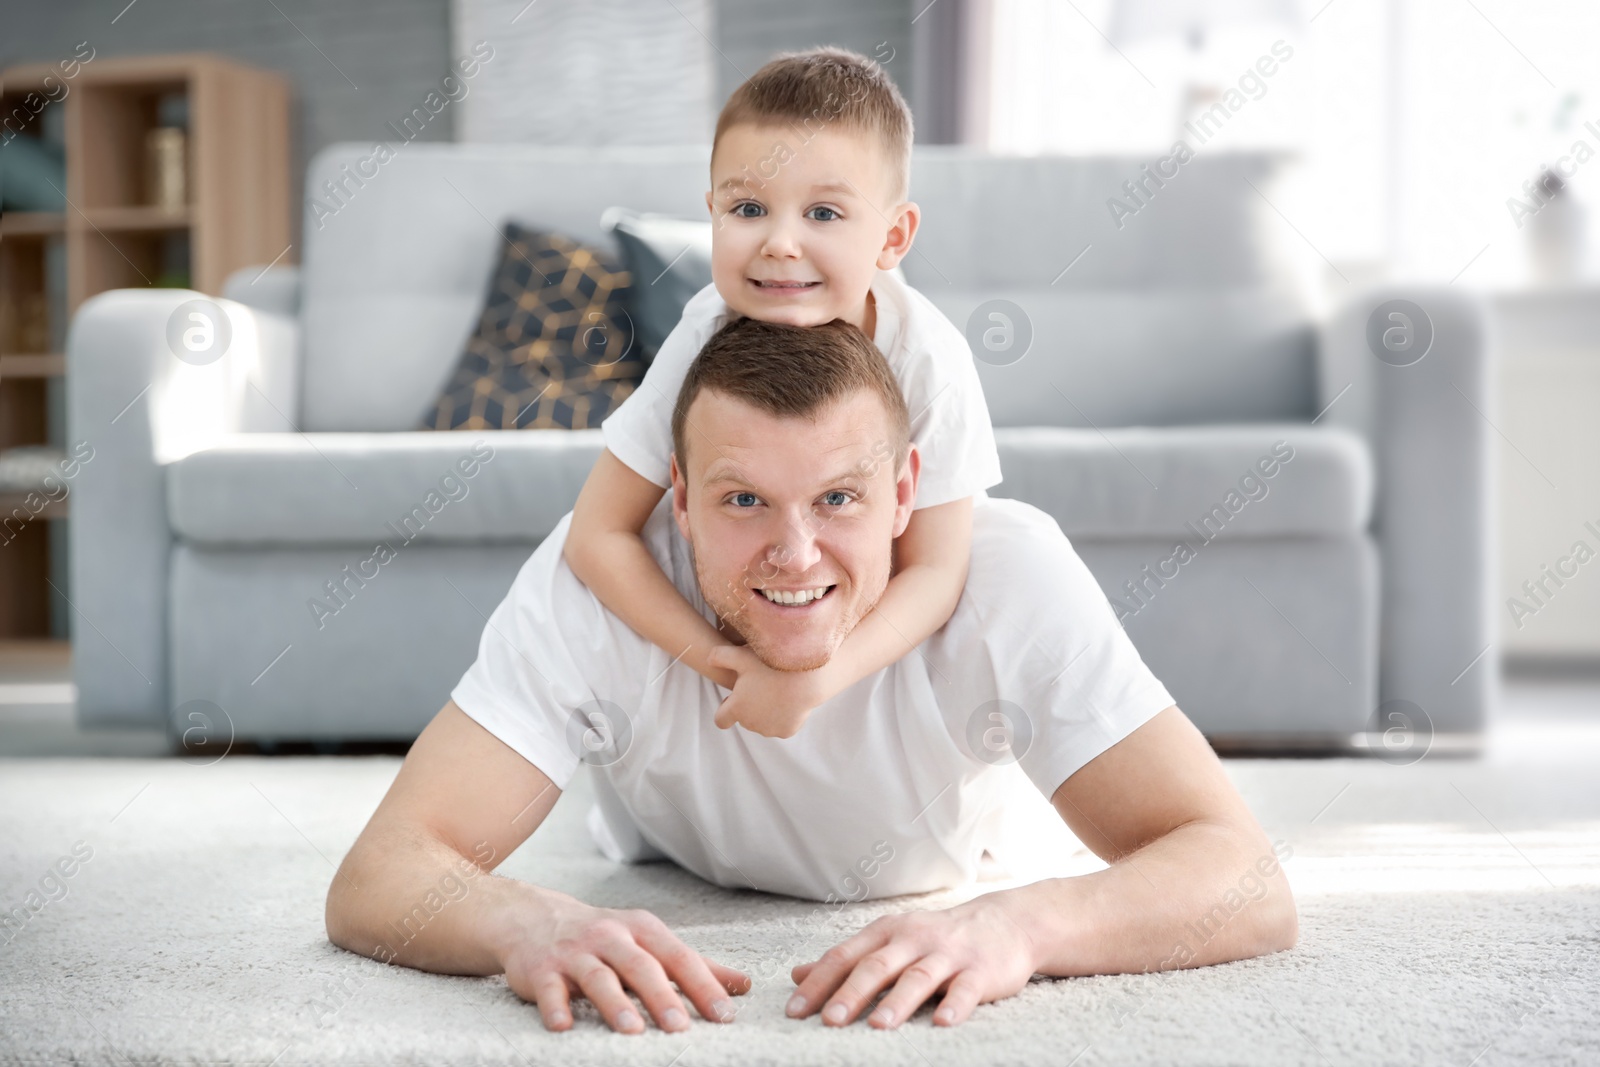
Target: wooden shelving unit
{"type": "Point", "coordinates": [113, 237]}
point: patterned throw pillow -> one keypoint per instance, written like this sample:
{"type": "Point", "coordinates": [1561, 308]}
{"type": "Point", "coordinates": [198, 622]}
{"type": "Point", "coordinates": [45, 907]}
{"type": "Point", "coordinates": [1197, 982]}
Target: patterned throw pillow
{"type": "Point", "coordinates": [554, 348]}
{"type": "Point", "coordinates": [670, 257]}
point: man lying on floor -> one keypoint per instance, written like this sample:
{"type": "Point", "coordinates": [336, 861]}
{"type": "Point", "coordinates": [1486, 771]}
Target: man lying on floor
{"type": "Point", "coordinates": [897, 785]}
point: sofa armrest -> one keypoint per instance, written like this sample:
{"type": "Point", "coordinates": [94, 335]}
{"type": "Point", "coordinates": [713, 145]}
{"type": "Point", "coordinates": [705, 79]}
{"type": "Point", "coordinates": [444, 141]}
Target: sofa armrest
{"type": "Point", "coordinates": [1428, 424]}
{"type": "Point", "coordinates": [137, 406]}
{"type": "Point", "coordinates": [271, 289]}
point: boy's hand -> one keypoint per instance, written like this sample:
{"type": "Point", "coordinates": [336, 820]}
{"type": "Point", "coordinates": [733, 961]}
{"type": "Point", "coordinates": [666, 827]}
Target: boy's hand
{"type": "Point", "coordinates": [769, 702]}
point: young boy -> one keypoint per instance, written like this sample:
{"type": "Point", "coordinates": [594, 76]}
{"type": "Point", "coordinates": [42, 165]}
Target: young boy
{"type": "Point", "coordinates": [810, 171]}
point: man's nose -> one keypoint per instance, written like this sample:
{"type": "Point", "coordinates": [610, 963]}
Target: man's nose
{"type": "Point", "coordinates": [796, 548]}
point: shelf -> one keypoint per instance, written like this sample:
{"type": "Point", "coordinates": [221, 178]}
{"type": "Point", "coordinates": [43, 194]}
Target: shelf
{"type": "Point", "coordinates": [32, 223]}
{"type": "Point", "coordinates": [42, 655]}
{"type": "Point", "coordinates": [16, 498]}
{"type": "Point", "coordinates": [33, 365]}
{"type": "Point", "coordinates": [110, 236]}
{"type": "Point", "coordinates": [137, 219]}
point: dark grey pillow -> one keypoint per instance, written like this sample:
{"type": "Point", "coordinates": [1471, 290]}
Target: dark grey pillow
{"type": "Point", "coordinates": [669, 260]}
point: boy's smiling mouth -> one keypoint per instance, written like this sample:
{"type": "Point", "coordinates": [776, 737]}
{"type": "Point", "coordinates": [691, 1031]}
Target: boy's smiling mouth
{"type": "Point", "coordinates": [783, 285]}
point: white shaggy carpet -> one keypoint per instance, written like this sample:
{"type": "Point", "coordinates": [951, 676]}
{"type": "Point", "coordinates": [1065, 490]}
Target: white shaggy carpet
{"type": "Point", "coordinates": [1450, 914]}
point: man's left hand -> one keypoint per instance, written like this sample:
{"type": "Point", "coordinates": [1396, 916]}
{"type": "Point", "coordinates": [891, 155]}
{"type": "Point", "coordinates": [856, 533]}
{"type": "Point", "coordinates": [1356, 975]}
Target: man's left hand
{"type": "Point", "coordinates": [769, 702]}
{"type": "Point", "coordinates": [975, 953]}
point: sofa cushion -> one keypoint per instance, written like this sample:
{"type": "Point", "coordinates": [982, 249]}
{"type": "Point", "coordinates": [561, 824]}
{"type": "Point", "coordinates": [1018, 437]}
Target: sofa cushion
{"type": "Point", "coordinates": [553, 348]}
{"type": "Point", "coordinates": [338, 488]}
{"type": "Point", "coordinates": [1260, 480]}
{"type": "Point", "coordinates": [1139, 357]}
{"type": "Point", "coordinates": [396, 278]}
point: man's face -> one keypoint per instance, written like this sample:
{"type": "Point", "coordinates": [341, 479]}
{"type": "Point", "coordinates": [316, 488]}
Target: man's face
{"type": "Point", "coordinates": [782, 508]}
{"type": "Point", "coordinates": [813, 213]}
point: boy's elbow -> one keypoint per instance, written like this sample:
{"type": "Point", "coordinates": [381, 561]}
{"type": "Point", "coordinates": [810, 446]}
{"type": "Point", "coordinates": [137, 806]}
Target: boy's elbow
{"type": "Point", "coordinates": [573, 551]}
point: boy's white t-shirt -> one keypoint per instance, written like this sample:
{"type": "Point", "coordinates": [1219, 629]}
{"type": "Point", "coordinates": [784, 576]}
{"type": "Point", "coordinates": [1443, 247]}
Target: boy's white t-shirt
{"type": "Point", "coordinates": [895, 785]}
{"type": "Point", "coordinates": [930, 359]}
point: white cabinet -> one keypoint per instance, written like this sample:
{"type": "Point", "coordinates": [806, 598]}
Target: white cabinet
{"type": "Point", "coordinates": [1546, 344]}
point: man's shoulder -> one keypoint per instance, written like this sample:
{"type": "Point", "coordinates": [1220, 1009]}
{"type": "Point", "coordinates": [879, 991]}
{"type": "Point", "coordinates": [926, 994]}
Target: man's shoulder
{"type": "Point", "coordinates": [667, 546]}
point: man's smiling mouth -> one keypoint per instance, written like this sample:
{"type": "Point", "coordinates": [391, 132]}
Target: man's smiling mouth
{"type": "Point", "coordinates": [797, 597]}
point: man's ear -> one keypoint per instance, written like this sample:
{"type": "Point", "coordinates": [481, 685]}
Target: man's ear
{"type": "Point", "coordinates": [905, 489]}
{"type": "Point", "coordinates": [680, 497]}
{"type": "Point", "coordinates": [897, 243]}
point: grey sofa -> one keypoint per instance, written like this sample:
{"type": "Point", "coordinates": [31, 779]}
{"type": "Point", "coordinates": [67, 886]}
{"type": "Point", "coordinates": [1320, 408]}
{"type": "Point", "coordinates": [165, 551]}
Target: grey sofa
{"type": "Point", "coordinates": [1165, 361]}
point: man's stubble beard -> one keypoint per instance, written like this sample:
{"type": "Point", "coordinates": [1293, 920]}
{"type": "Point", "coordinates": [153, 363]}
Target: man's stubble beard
{"type": "Point", "coordinates": [732, 614]}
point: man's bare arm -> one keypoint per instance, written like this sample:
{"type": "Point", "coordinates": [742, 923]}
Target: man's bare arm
{"type": "Point", "coordinates": [1181, 845]}
{"type": "Point", "coordinates": [416, 889]}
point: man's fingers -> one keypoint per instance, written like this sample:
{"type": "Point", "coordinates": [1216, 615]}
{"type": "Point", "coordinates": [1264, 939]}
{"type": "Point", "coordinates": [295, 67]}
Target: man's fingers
{"type": "Point", "coordinates": [706, 984]}
{"type": "Point", "coordinates": [959, 1000]}
{"type": "Point", "coordinates": [549, 991]}
{"type": "Point", "coordinates": [870, 977]}
{"type": "Point", "coordinates": [604, 989]}
{"type": "Point", "coordinates": [825, 974]}
{"type": "Point", "coordinates": [917, 983]}
{"type": "Point", "coordinates": [734, 981]}
{"type": "Point", "coordinates": [645, 976]}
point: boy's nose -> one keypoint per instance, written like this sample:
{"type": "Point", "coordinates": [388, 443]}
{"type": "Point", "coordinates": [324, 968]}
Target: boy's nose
{"type": "Point", "coordinates": [782, 242]}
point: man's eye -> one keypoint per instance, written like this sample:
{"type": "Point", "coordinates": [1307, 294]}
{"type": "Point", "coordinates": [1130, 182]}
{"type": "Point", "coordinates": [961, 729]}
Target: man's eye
{"type": "Point", "coordinates": [844, 498]}
{"type": "Point", "coordinates": [738, 209]}
{"type": "Point", "coordinates": [745, 499]}
{"type": "Point", "coordinates": [832, 213]}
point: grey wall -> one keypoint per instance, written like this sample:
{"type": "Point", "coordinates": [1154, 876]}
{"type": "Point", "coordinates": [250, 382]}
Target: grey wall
{"type": "Point", "coordinates": [357, 65]}
{"type": "Point", "coordinates": [750, 31]}
{"type": "Point", "coordinates": [565, 74]}
{"type": "Point", "coordinates": [352, 65]}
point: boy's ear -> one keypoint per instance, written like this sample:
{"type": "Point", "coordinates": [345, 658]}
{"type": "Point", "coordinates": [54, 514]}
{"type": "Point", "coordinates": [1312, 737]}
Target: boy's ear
{"type": "Point", "coordinates": [902, 231]}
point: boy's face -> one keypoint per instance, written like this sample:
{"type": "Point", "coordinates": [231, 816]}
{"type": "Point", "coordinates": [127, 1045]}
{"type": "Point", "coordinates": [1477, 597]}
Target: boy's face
{"type": "Point", "coordinates": [818, 214]}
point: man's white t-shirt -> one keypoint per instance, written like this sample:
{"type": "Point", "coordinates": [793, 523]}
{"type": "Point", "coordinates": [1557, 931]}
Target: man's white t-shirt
{"type": "Point", "coordinates": [918, 762]}
{"type": "Point", "coordinates": [930, 359]}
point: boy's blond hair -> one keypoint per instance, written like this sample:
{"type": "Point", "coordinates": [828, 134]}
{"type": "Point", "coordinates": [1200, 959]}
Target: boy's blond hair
{"type": "Point", "coordinates": [821, 87]}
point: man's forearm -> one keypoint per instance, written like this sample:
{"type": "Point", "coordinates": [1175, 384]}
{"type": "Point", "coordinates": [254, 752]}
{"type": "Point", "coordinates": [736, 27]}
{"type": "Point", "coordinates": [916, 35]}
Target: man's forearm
{"type": "Point", "coordinates": [419, 903]}
{"type": "Point", "coordinates": [1204, 893]}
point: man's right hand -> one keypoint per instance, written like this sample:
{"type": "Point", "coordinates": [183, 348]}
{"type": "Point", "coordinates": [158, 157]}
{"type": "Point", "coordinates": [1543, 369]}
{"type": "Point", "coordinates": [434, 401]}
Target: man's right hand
{"type": "Point", "coordinates": [572, 947]}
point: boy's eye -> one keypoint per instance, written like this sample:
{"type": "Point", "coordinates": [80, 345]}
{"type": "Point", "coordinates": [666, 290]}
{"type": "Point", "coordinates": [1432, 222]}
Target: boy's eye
{"type": "Point", "coordinates": [745, 499]}
{"type": "Point", "coordinates": [844, 498]}
{"type": "Point", "coordinates": [738, 209]}
{"type": "Point", "coordinates": [832, 213]}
